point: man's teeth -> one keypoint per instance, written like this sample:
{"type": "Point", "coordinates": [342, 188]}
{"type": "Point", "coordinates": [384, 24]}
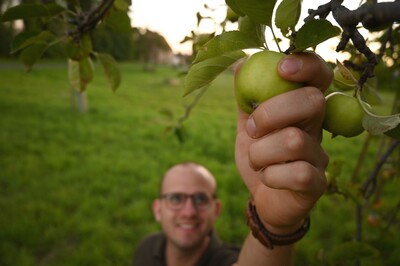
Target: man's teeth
{"type": "Point", "coordinates": [187, 226]}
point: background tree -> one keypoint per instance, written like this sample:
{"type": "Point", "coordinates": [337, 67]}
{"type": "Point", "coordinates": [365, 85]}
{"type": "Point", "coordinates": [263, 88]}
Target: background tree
{"type": "Point", "coordinates": [80, 31]}
{"type": "Point", "coordinates": [151, 46]}
{"type": "Point", "coordinates": [69, 26]}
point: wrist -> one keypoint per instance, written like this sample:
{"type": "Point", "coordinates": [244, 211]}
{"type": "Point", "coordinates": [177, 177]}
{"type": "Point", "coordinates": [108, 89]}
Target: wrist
{"type": "Point", "coordinates": [284, 229]}
{"type": "Point", "coordinates": [271, 236]}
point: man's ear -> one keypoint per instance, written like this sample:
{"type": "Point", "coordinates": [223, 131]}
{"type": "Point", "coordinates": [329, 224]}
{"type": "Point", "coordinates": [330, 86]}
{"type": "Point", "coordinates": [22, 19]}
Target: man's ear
{"type": "Point", "coordinates": [218, 206]}
{"type": "Point", "coordinates": [157, 209]}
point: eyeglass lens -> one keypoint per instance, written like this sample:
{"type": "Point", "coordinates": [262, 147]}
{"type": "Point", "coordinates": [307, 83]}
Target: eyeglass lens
{"type": "Point", "coordinates": [177, 200]}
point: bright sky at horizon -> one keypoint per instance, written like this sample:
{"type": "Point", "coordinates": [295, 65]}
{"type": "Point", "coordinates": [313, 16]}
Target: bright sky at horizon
{"type": "Point", "coordinates": [175, 19]}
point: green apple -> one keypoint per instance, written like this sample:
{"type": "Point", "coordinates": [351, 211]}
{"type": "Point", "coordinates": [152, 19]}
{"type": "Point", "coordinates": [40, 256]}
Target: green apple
{"type": "Point", "coordinates": [343, 115]}
{"type": "Point", "coordinates": [257, 80]}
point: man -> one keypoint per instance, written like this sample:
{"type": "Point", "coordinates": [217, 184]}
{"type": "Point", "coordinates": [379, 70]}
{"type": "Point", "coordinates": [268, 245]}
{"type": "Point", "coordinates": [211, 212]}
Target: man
{"type": "Point", "coordinates": [187, 225]}
{"type": "Point", "coordinates": [280, 159]}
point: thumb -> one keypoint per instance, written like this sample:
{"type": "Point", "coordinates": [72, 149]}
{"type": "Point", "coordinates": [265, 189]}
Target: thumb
{"type": "Point", "coordinates": [302, 67]}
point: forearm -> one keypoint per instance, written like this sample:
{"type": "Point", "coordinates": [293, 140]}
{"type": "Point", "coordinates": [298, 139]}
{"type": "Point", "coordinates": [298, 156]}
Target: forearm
{"type": "Point", "coordinates": [254, 253]}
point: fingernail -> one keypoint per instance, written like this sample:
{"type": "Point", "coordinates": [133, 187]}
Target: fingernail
{"type": "Point", "coordinates": [251, 127]}
{"type": "Point", "coordinates": [291, 65]}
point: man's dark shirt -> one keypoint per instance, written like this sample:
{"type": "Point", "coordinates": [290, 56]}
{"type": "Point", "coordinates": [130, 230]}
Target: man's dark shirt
{"type": "Point", "coordinates": [151, 252]}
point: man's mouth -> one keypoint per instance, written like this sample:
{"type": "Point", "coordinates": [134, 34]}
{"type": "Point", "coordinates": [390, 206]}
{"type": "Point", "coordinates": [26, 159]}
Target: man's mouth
{"type": "Point", "coordinates": [188, 226]}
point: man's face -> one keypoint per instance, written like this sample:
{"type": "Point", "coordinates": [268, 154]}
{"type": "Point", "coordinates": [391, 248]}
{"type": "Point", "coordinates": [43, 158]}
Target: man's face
{"type": "Point", "coordinates": [187, 225]}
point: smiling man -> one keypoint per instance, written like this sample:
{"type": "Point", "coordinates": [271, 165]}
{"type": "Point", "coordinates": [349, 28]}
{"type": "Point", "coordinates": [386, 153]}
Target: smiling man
{"type": "Point", "coordinates": [186, 209]}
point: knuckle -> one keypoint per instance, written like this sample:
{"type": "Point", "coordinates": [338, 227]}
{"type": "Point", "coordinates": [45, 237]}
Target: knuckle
{"type": "Point", "coordinates": [315, 101]}
{"type": "Point", "coordinates": [254, 158]}
{"type": "Point", "coordinates": [304, 175]}
{"type": "Point", "coordinates": [263, 115]}
{"type": "Point", "coordinates": [325, 159]}
{"type": "Point", "coordinates": [294, 139]}
{"type": "Point", "coordinates": [329, 75]}
{"type": "Point", "coordinates": [315, 98]}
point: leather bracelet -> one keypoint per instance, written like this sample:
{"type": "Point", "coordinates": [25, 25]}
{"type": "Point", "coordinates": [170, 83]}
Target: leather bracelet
{"type": "Point", "coordinates": [267, 238]}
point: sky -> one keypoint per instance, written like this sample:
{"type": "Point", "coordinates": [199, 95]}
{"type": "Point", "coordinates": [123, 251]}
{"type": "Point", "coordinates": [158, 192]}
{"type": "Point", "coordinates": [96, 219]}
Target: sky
{"type": "Point", "coordinates": [175, 19]}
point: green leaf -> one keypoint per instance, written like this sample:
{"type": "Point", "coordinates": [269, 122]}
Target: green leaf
{"type": "Point", "coordinates": [259, 11]}
{"type": "Point", "coordinates": [394, 133]}
{"type": "Point", "coordinates": [20, 39]}
{"type": "Point", "coordinates": [181, 133]}
{"type": "Point", "coordinates": [253, 30]}
{"type": "Point", "coordinates": [80, 50]}
{"type": "Point", "coordinates": [314, 32]}
{"type": "Point", "coordinates": [369, 92]}
{"type": "Point", "coordinates": [199, 40]}
{"type": "Point", "coordinates": [86, 70]}
{"type": "Point", "coordinates": [347, 75]}
{"type": "Point", "coordinates": [235, 7]}
{"type": "Point", "coordinates": [375, 124]}
{"type": "Point", "coordinates": [225, 42]}
{"type": "Point", "coordinates": [31, 54]}
{"type": "Point", "coordinates": [118, 21]}
{"type": "Point", "coordinates": [74, 76]}
{"type": "Point", "coordinates": [54, 9]}
{"type": "Point", "coordinates": [24, 40]}
{"type": "Point", "coordinates": [203, 73]}
{"type": "Point", "coordinates": [122, 5]}
{"type": "Point", "coordinates": [33, 46]}
{"type": "Point", "coordinates": [378, 124]}
{"type": "Point", "coordinates": [110, 67]}
{"type": "Point", "coordinates": [287, 15]}
{"type": "Point", "coordinates": [80, 73]}
{"type": "Point", "coordinates": [351, 252]}
{"type": "Point", "coordinates": [64, 4]}
{"type": "Point", "coordinates": [24, 11]}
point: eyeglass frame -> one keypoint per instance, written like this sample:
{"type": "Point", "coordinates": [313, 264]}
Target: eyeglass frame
{"type": "Point", "coordinates": [210, 198]}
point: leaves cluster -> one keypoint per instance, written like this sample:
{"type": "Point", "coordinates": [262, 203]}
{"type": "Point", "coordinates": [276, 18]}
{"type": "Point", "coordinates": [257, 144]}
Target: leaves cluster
{"type": "Point", "coordinates": [73, 33]}
{"type": "Point", "coordinates": [255, 17]}
{"type": "Point", "coordinates": [219, 53]}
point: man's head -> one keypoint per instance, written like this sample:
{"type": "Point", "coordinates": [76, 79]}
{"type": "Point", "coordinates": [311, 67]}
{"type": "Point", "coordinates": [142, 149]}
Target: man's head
{"type": "Point", "coordinates": [187, 207]}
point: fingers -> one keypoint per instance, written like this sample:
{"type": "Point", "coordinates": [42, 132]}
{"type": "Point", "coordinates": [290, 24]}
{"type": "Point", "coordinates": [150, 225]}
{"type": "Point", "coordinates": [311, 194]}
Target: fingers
{"type": "Point", "coordinates": [286, 145]}
{"type": "Point", "coordinates": [307, 68]}
{"type": "Point", "coordinates": [290, 159]}
{"type": "Point", "coordinates": [303, 108]}
{"type": "Point", "coordinates": [308, 180]}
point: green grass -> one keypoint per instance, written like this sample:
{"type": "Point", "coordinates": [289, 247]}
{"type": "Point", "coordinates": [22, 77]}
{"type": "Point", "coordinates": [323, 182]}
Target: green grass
{"type": "Point", "coordinates": [76, 189]}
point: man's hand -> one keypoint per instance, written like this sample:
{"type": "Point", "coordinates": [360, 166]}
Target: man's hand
{"type": "Point", "coordinates": [278, 151]}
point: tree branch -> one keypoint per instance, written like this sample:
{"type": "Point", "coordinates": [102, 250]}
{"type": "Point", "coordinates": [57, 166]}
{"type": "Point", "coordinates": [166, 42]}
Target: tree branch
{"type": "Point", "coordinates": [373, 16]}
{"type": "Point", "coordinates": [87, 21]}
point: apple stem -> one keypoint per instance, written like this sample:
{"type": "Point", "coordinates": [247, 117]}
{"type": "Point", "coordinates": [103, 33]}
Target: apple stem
{"type": "Point", "coordinates": [254, 105]}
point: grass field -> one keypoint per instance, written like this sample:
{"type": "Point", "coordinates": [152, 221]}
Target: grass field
{"type": "Point", "coordinates": [76, 188]}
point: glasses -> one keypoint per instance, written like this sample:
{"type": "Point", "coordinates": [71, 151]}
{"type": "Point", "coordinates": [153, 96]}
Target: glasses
{"type": "Point", "coordinates": [175, 201]}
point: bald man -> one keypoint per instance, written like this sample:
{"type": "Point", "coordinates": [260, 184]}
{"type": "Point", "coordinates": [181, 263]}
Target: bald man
{"type": "Point", "coordinates": [188, 237]}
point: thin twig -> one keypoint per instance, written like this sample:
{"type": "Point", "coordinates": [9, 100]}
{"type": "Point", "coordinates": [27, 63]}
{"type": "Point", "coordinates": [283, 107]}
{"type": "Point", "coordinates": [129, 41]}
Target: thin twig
{"type": "Point", "coordinates": [190, 107]}
{"type": "Point", "coordinates": [370, 183]}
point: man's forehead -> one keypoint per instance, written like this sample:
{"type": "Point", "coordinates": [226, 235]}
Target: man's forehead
{"type": "Point", "coordinates": [185, 175]}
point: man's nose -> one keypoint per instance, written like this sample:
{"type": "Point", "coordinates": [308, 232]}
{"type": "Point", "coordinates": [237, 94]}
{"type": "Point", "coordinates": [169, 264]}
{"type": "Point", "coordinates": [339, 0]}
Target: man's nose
{"type": "Point", "coordinates": [188, 206]}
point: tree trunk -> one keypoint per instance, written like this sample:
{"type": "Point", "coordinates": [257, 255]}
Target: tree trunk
{"type": "Point", "coordinates": [79, 100]}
